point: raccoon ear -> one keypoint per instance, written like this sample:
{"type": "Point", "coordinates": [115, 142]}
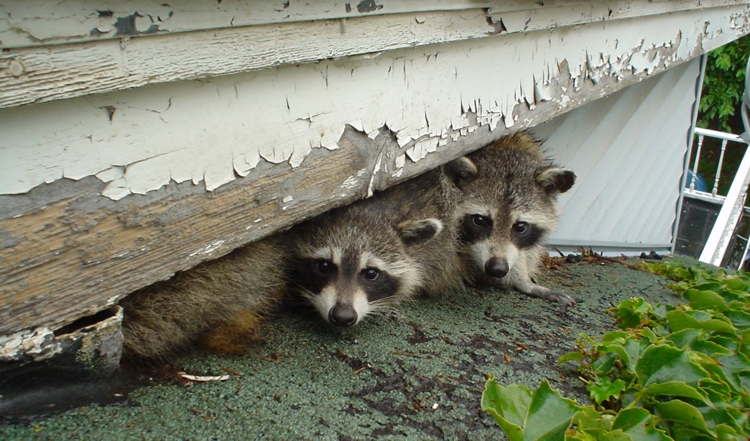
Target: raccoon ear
{"type": "Point", "coordinates": [556, 180]}
{"type": "Point", "coordinates": [416, 232]}
{"type": "Point", "coordinates": [461, 170]}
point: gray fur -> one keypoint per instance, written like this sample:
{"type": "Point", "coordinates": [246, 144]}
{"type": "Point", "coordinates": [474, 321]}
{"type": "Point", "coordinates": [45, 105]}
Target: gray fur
{"type": "Point", "coordinates": [402, 228]}
{"type": "Point", "coordinates": [514, 183]}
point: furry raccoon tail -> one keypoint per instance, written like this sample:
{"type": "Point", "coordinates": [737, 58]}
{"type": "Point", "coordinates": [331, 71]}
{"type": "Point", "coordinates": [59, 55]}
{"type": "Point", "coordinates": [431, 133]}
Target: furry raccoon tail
{"type": "Point", "coordinates": [237, 336]}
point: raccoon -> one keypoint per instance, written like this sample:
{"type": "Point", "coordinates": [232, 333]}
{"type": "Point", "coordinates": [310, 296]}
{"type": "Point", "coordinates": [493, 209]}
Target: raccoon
{"type": "Point", "coordinates": [507, 208]}
{"type": "Point", "coordinates": [218, 305]}
{"type": "Point", "coordinates": [371, 255]}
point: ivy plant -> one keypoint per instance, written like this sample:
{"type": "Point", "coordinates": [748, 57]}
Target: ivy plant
{"type": "Point", "coordinates": [670, 372]}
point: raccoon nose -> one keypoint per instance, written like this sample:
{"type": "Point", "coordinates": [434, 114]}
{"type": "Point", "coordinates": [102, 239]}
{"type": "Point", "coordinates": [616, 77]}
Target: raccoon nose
{"type": "Point", "coordinates": [496, 267]}
{"type": "Point", "coordinates": [342, 315]}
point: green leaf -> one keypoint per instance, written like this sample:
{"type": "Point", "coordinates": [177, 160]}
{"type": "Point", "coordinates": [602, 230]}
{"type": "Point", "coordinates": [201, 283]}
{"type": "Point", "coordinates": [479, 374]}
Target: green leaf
{"type": "Point", "coordinates": [739, 319]}
{"type": "Point", "coordinates": [631, 312]}
{"type": "Point", "coordinates": [682, 412]}
{"type": "Point", "coordinates": [634, 350]}
{"type": "Point", "coordinates": [733, 366]}
{"type": "Point", "coordinates": [707, 286]}
{"type": "Point", "coordinates": [716, 390]}
{"type": "Point", "coordinates": [679, 320]}
{"type": "Point", "coordinates": [549, 415]}
{"type": "Point", "coordinates": [605, 363]}
{"type": "Point", "coordinates": [730, 343]}
{"type": "Point", "coordinates": [639, 425]}
{"type": "Point", "coordinates": [684, 338]}
{"type": "Point", "coordinates": [649, 335]}
{"type": "Point", "coordinates": [677, 389]}
{"type": "Point", "coordinates": [726, 378]}
{"type": "Point", "coordinates": [726, 416]}
{"type": "Point", "coordinates": [735, 363]}
{"type": "Point", "coordinates": [616, 435]}
{"type": "Point", "coordinates": [616, 337]}
{"type": "Point", "coordinates": [571, 356]}
{"type": "Point", "coordinates": [603, 389]}
{"type": "Point", "coordinates": [526, 416]}
{"type": "Point", "coordinates": [590, 424]}
{"type": "Point", "coordinates": [508, 405]}
{"type": "Point", "coordinates": [727, 433]}
{"type": "Point", "coordinates": [660, 364]}
{"type": "Point", "coordinates": [700, 299]}
{"type": "Point", "coordinates": [737, 284]}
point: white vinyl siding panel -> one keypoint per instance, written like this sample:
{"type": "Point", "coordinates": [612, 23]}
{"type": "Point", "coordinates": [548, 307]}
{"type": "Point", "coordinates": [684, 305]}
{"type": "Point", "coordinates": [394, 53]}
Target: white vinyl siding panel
{"type": "Point", "coordinates": [628, 151]}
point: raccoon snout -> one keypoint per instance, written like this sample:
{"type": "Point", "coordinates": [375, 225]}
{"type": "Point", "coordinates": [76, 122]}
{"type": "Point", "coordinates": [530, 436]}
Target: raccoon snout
{"type": "Point", "coordinates": [342, 315]}
{"type": "Point", "coordinates": [496, 267]}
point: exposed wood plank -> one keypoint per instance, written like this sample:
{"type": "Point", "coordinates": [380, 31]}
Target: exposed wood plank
{"type": "Point", "coordinates": [45, 73]}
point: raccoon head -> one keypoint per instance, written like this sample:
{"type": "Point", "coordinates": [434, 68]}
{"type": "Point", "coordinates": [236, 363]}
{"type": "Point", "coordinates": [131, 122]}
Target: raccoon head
{"type": "Point", "coordinates": [347, 270]}
{"type": "Point", "coordinates": [507, 205]}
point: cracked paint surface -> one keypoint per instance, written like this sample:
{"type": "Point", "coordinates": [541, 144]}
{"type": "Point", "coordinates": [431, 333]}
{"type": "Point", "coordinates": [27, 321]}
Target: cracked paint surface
{"type": "Point", "coordinates": [212, 131]}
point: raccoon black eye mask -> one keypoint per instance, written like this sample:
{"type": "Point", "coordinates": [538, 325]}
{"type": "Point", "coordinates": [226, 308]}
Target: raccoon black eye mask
{"type": "Point", "coordinates": [355, 260]}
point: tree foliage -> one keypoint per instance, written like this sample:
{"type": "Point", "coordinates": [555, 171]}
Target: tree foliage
{"type": "Point", "coordinates": [723, 85]}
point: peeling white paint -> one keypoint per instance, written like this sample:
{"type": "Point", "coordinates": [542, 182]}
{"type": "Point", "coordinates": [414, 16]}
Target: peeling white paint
{"type": "Point", "coordinates": [212, 131]}
{"type": "Point", "coordinates": [38, 344]}
{"type": "Point", "coordinates": [422, 148]}
{"type": "Point", "coordinates": [349, 183]}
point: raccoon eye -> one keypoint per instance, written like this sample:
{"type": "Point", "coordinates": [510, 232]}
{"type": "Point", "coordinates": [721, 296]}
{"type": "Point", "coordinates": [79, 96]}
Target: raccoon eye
{"type": "Point", "coordinates": [520, 227]}
{"type": "Point", "coordinates": [479, 220]}
{"type": "Point", "coordinates": [370, 273]}
{"type": "Point", "coordinates": [324, 267]}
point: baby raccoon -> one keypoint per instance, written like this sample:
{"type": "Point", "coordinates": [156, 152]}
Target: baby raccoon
{"type": "Point", "coordinates": [506, 211]}
{"type": "Point", "coordinates": [219, 304]}
{"type": "Point", "coordinates": [374, 253]}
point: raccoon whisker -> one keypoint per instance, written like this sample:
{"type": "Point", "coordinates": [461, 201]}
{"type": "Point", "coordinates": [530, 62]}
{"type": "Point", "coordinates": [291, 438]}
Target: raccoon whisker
{"type": "Point", "coordinates": [388, 302]}
{"type": "Point", "coordinates": [305, 293]}
{"type": "Point", "coordinates": [387, 311]}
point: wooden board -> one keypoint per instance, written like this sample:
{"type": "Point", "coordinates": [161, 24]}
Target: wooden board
{"type": "Point", "coordinates": [165, 44]}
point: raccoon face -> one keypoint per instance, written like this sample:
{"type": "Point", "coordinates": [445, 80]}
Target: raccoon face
{"type": "Point", "coordinates": [353, 271]}
{"type": "Point", "coordinates": [343, 285]}
{"type": "Point", "coordinates": [493, 241]}
{"type": "Point", "coordinates": [507, 205]}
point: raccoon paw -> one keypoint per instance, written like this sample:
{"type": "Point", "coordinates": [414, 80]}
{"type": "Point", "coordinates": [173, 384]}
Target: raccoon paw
{"type": "Point", "coordinates": [563, 300]}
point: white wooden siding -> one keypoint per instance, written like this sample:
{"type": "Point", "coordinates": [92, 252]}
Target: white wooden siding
{"type": "Point", "coordinates": [212, 131]}
{"type": "Point", "coordinates": [628, 151]}
{"type": "Point", "coordinates": [73, 47]}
